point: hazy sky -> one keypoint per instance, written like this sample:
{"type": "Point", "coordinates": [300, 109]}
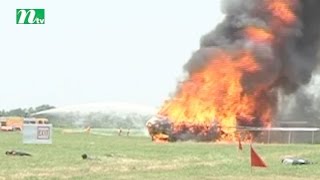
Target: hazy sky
{"type": "Point", "coordinates": [99, 50]}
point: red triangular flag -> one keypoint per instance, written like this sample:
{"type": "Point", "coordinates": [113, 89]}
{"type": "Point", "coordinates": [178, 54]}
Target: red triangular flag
{"type": "Point", "coordinates": [240, 145]}
{"type": "Point", "coordinates": [256, 159]}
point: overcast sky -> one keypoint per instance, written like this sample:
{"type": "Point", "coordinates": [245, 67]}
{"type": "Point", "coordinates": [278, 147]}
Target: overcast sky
{"type": "Point", "coordinates": [99, 50]}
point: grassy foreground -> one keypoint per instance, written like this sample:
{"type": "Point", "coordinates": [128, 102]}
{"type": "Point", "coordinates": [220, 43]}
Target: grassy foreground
{"type": "Point", "coordinates": [137, 157]}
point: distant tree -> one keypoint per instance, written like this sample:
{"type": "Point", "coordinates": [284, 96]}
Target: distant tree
{"type": "Point", "coordinates": [2, 113]}
{"type": "Point", "coordinates": [31, 110]}
{"type": "Point", "coordinates": [43, 107]}
{"type": "Point", "coordinates": [17, 112]}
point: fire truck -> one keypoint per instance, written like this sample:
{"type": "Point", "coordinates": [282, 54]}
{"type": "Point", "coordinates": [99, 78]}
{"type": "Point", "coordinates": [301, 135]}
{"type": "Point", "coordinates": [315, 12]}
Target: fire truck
{"type": "Point", "coordinates": [15, 123]}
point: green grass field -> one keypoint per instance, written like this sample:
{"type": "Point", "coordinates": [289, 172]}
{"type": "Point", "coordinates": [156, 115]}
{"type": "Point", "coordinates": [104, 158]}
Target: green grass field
{"type": "Point", "coordinates": [136, 157]}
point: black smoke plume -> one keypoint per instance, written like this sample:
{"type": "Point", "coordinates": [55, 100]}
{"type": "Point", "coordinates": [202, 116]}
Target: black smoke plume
{"type": "Point", "coordinates": [287, 64]}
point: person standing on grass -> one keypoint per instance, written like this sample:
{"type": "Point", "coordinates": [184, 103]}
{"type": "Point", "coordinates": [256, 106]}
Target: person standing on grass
{"type": "Point", "coordinates": [128, 132]}
{"type": "Point", "coordinates": [88, 129]}
{"type": "Point", "coordinates": [119, 132]}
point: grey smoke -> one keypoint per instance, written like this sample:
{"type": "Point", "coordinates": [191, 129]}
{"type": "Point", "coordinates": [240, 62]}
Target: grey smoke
{"type": "Point", "coordinates": [303, 105]}
{"type": "Point", "coordinates": [300, 54]}
{"type": "Point", "coordinates": [287, 65]}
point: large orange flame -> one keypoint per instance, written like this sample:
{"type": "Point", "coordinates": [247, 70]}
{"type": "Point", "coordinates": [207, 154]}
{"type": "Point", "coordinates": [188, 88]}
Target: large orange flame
{"type": "Point", "coordinates": [216, 92]}
{"type": "Point", "coordinates": [258, 34]}
{"type": "Point", "coordinates": [282, 10]}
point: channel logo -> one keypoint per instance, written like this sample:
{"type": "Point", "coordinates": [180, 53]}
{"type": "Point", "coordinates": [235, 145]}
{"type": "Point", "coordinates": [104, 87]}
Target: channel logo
{"type": "Point", "coordinates": [30, 16]}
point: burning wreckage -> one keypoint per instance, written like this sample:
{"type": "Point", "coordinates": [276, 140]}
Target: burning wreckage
{"type": "Point", "coordinates": [162, 129]}
{"type": "Point", "coordinates": [262, 50]}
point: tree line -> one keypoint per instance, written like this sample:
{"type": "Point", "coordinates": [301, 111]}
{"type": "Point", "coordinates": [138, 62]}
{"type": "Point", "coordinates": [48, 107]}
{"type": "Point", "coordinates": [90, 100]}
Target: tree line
{"type": "Point", "coordinates": [25, 112]}
{"type": "Point", "coordinates": [77, 119]}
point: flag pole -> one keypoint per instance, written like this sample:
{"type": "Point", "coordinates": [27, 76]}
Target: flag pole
{"type": "Point", "coordinates": [251, 151]}
{"type": "Point", "coordinates": [250, 157]}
